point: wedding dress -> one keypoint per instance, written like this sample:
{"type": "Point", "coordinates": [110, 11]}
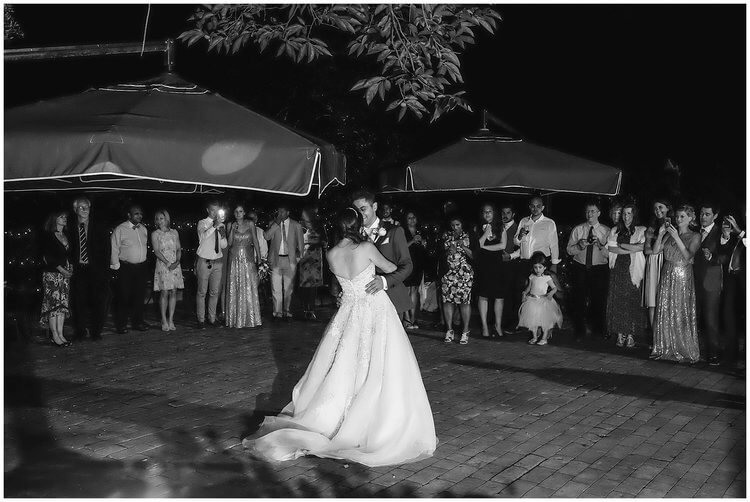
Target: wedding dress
{"type": "Point", "coordinates": [362, 397]}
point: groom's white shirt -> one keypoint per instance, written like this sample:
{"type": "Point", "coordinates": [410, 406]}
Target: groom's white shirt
{"type": "Point", "coordinates": [372, 236]}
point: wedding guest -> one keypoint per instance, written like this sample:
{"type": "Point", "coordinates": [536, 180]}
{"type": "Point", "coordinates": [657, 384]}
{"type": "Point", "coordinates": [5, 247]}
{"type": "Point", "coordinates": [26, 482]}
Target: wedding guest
{"type": "Point", "coordinates": [243, 304]}
{"type": "Point", "coordinates": [708, 283]}
{"type": "Point", "coordinates": [589, 272]}
{"type": "Point", "coordinates": [311, 264]}
{"type": "Point", "coordinates": [537, 232]}
{"type": "Point", "coordinates": [625, 315]}
{"type": "Point", "coordinates": [675, 327]}
{"type": "Point", "coordinates": [539, 311]}
{"type": "Point", "coordinates": [264, 272]}
{"type": "Point", "coordinates": [458, 279]}
{"type": "Point", "coordinates": [388, 217]}
{"type": "Point", "coordinates": [491, 283]}
{"type": "Point", "coordinates": [165, 242]}
{"type": "Point", "coordinates": [514, 281]}
{"type": "Point", "coordinates": [284, 253]}
{"type": "Point", "coordinates": [417, 251]}
{"type": "Point", "coordinates": [252, 215]}
{"type": "Point", "coordinates": [90, 251]}
{"type": "Point", "coordinates": [732, 257]}
{"type": "Point", "coordinates": [654, 261]}
{"type": "Point", "coordinates": [212, 239]}
{"type": "Point", "coordinates": [615, 212]}
{"type": "Point", "coordinates": [56, 275]}
{"type": "Point", "coordinates": [129, 251]}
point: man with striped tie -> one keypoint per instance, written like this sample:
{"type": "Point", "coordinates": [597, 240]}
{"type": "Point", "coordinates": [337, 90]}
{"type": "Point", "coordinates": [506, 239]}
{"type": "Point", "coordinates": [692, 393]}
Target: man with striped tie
{"type": "Point", "coordinates": [90, 251]}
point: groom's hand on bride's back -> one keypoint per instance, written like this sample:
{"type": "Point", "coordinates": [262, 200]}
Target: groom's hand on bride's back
{"type": "Point", "coordinates": [375, 285]}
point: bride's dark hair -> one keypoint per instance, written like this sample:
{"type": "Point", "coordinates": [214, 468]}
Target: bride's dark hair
{"type": "Point", "coordinates": [348, 223]}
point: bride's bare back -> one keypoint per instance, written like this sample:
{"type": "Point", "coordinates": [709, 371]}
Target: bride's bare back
{"type": "Point", "coordinates": [348, 259]}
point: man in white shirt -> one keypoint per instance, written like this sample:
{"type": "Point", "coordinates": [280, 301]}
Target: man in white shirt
{"type": "Point", "coordinates": [535, 233]}
{"type": "Point", "coordinates": [129, 251]}
{"type": "Point", "coordinates": [209, 267]}
{"type": "Point", "coordinates": [284, 253]}
{"type": "Point", "coordinates": [589, 272]}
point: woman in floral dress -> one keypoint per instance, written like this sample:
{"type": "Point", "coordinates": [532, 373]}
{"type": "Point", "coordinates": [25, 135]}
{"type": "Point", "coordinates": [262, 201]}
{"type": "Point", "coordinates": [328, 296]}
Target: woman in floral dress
{"type": "Point", "coordinates": [458, 279]}
{"type": "Point", "coordinates": [56, 276]}
{"type": "Point", "coordinates": [168, 272]}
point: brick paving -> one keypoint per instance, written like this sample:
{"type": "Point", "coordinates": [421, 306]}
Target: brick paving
{"type": "Point", "coordinates": [159, 414]}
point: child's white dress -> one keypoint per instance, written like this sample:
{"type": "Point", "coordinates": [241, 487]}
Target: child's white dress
{"type": "Point", "coordinates": [537, 310]}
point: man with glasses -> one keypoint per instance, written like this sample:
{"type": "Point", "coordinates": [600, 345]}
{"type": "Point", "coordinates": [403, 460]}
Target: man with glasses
{"type": "Point", "coordinates": [89, 288]}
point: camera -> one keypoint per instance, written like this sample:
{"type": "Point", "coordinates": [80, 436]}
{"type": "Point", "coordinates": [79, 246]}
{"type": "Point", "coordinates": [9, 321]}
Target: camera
{"type": "Point", "coordinates": [590, 239]}
{"type": "Point", "coordinates": [668, 221]}
{"type": "Point", "coordinates": [221, 215]}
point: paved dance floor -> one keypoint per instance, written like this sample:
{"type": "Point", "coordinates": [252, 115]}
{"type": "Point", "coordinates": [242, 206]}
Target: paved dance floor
{"type": "Point", "coordinates": [159, 414]}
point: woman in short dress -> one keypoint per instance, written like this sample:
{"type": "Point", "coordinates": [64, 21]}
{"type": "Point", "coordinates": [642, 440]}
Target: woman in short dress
{"type": "Point", "coordinates": [418, 254]}
{"type": "Point", "coordinates": [310, 267]}
{"type": "Point", "coordinates": [165, 242]}
{"type": "Point", "coordinates": [491, 283]}
{"type": "Point", "coordinates": [56, 276]}
{"type": "Point", "coordinates": [662, 209]}
{"type": "Point", "coordinates": [458, 279]}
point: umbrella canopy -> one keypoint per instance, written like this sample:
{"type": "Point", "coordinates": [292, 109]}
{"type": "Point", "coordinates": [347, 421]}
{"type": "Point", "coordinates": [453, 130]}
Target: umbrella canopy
{"type": "Point", "coordinates": [495, 163]}
{"type": "Point", "coordinates": [165, 134]}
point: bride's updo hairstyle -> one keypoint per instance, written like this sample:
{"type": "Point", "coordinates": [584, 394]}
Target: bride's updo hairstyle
{"type": "Point", "coordinates": [348, 223]}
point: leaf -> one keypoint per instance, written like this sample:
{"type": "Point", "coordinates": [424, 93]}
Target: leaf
{"type": "Point", "coordinates": [381, 90]}
{"type": "Point", "coordinates": [402, 112]}
{"type": "Point", "coordinates": [393, 104]}
{"type": "Point", "coordinates": [371, 91]}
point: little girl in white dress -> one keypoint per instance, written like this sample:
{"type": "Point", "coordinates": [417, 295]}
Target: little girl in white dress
{"type": "Point", "coordinates": [539, 311]}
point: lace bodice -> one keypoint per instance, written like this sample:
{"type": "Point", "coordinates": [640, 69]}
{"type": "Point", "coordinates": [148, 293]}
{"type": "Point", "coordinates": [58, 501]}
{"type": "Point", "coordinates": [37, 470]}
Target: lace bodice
{"type": "Point", "coordinates": [354, 288]}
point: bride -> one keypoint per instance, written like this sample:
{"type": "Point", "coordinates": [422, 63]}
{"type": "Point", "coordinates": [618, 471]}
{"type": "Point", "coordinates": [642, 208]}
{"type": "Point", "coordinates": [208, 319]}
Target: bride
{"type": "Point", "coordinates": [362, 397]}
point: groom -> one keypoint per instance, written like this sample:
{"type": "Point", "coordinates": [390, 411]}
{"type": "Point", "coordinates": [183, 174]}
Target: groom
{"type": "Point", "coordinates": [391, 243]}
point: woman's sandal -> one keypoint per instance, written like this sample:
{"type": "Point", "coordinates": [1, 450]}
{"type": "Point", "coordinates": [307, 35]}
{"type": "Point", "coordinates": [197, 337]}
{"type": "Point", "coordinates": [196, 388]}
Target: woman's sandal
{"type": "Point", "coordinates": [464, 338]}
{"type": "Point", "coordinates": [449, 336]}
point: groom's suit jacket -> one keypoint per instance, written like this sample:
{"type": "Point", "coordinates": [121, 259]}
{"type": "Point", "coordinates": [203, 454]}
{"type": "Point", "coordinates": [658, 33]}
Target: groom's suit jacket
{"type": "Point", "coordinates": [393, 246]}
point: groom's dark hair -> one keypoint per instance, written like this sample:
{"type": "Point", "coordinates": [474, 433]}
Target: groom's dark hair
{"type": "Point", "coordinates": [348, 223]}
{"type": "Point", "coordinates": [363, 194]}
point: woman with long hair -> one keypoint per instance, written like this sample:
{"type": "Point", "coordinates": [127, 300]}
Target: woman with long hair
{"type": "Point", "coordinates": [491, 283]}
{"type": "Point", "coordinates": [243, 305]}
{"type": "Point", "coordinates": [625, 314]}
{"type": "Point", "coordinates": [165, 242]}
{"type": "Point", "coordinates": [56, 275]}
{"type": "Point", "coordinates": [675, 320]}
{"type": "Point", "coordinates": [361, 398]}
{"type": "Point", "coordinates": [418, 252]}
{"type": "Point", "coordinates": [662, 209]}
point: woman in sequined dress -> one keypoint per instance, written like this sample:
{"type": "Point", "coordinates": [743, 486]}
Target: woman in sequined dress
{"type": "Point", "coordinates": [675, 326]}
{"type": "Point", "coordinates": [243, 306]}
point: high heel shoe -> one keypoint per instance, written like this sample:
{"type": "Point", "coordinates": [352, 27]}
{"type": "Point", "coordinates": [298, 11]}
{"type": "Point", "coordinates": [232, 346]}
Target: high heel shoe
{"type": "Point", "coordinates": [165, 326]}
{"type": "Point", "coordinates": [449, 336]}
{"type": "Point", "coordinates": [464, 338]}
{"type": "Point", "coordinates": [171, 326]}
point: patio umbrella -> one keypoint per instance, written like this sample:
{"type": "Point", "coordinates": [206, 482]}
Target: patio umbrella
{"type": "Point", "coordinates": [165, 135]}
{"type": "Point", "coordinates": [489, 162]}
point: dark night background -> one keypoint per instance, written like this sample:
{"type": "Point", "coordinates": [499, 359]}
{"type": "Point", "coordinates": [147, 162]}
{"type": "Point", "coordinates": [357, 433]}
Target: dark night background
{"type": "Point", "coordinates": [628, 85]}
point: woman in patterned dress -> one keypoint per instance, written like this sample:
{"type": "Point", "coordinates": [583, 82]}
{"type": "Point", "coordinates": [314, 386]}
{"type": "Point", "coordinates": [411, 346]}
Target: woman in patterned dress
{"type": "Point", "coordinates": [56, 276]}
{"type": "Point", "coordinates": [165, 242]}
{"type": "Point", "coordinates": [654, 261]}
{"type": "Point", "coordinates": [458, 279]}
{"type": "Point", "coordinates": [675, 326]}
{"type": "Point", "coordinates": [625, 315]}
{"type": "Point", "coordinates": [243, 304]}
{"type": "Point", "coordinates": [311, 265]}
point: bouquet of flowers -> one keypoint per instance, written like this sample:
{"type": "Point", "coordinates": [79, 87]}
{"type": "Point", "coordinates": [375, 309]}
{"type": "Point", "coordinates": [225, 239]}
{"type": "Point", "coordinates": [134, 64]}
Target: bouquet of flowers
{"type": "Point", "coordinates": [264, 270]}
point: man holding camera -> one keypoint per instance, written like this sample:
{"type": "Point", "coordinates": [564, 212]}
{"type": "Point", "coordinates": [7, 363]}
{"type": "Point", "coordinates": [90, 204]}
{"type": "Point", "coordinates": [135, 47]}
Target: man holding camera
{"type": "Point", "coordinates": [284, 252]}
{"type": "Point", "coordinates": [212, 238]}
{"type": "Point", "coordinates": [590, 272]}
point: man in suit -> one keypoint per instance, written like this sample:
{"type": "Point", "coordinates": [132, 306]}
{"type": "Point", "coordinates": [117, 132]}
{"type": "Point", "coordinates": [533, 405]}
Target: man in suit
{"type": "Point", "coordinates": [512, 298]}
{"type": "Point", "coordinates": [707, 270]}
{"type": "Point", "coordinates": [284, 253]}
{"type": "Point", "coordinates": [732, 258]}
{"type": "Point", "coordinates": [391, 242]}
{"type": "Point", "coordinates": [89, 288]}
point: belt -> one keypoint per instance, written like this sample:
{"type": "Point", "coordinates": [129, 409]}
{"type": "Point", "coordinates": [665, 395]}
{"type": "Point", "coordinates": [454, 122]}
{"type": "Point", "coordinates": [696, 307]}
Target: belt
{"type": "Point", "coordinates": [283, 256]}
{"type": "Point", "coordinates": [131, 264]}
{"type": "Point", "coordinates": [211, 260]}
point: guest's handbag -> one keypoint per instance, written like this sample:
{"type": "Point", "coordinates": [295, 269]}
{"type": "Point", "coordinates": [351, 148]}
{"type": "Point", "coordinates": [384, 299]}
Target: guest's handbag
{"type": "Point", "coordinates": [428, 296]}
